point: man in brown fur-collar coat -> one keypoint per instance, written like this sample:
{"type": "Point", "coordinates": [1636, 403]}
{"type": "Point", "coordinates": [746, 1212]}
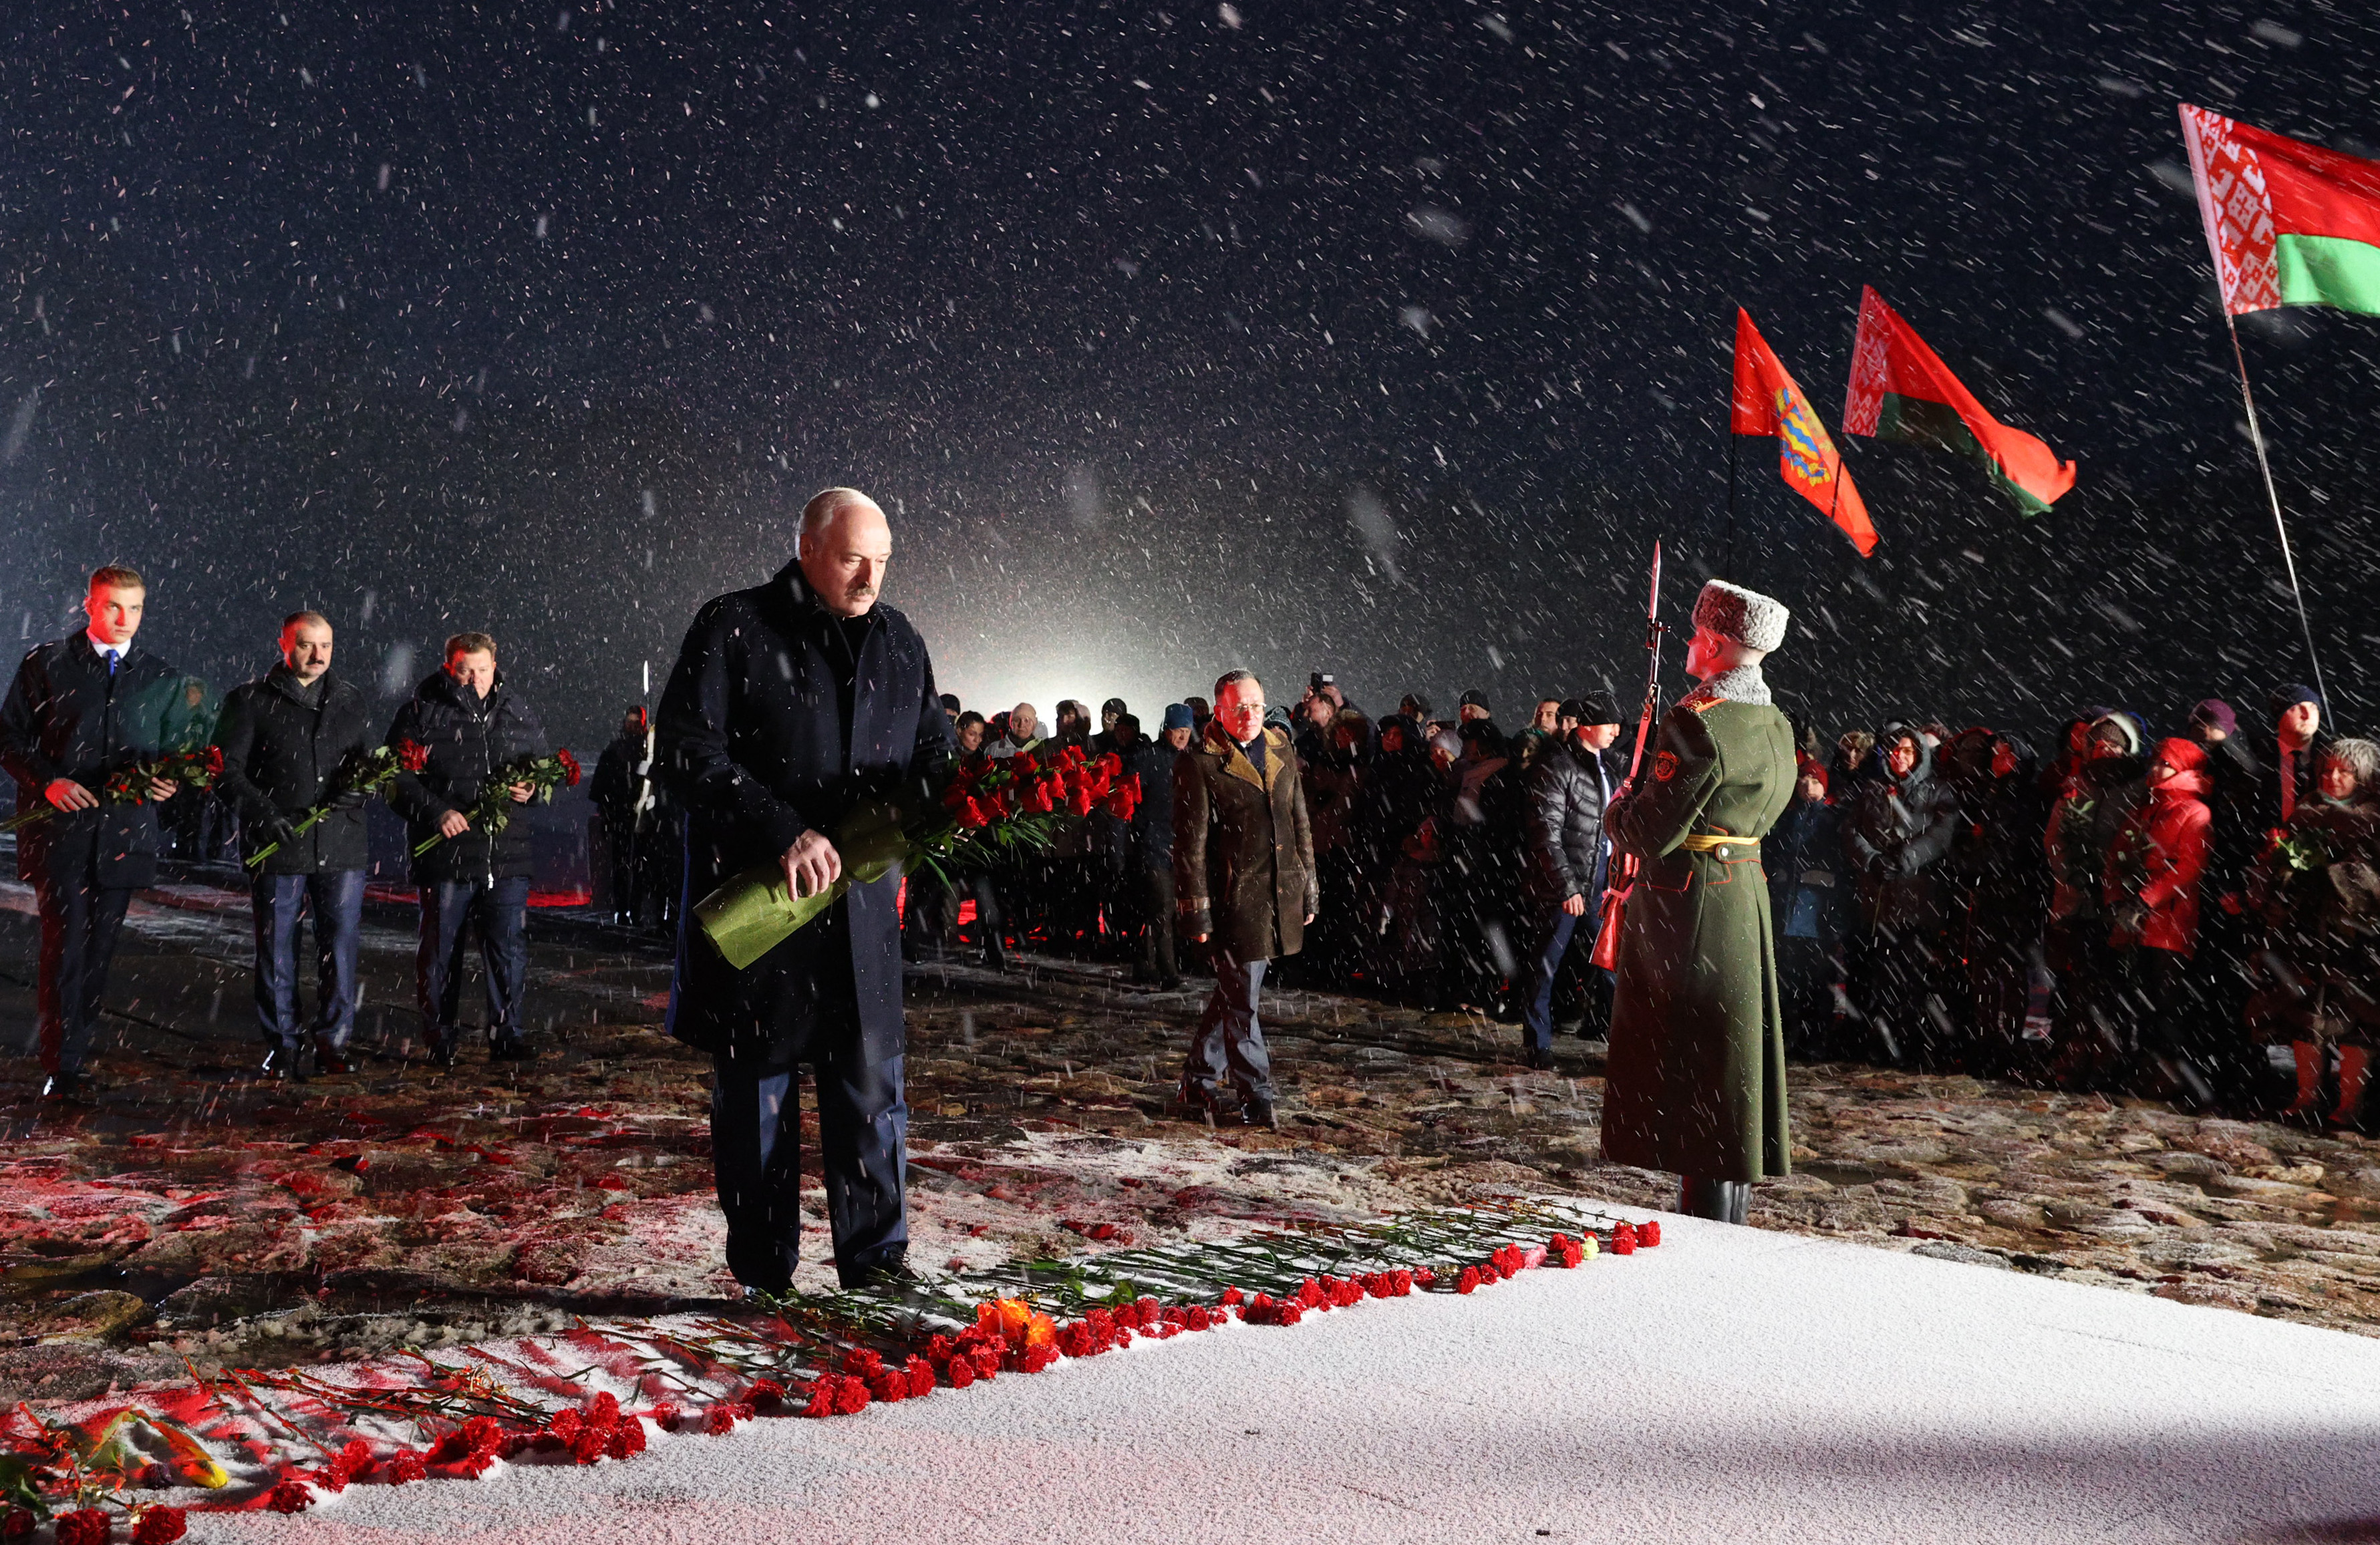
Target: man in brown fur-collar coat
{"type": "Point", "coordinates": [1243, 874]}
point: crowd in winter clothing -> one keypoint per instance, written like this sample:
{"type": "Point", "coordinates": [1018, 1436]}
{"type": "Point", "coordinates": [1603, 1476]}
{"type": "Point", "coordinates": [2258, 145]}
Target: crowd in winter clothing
{"type": "Point", "coordinates": [2192, 917]}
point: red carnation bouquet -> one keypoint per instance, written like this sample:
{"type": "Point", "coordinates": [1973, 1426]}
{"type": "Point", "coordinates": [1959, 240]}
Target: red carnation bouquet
{"type": "Point", "coordinates": [363, 774]}
{"type": "Point", "coordinates": [989, 809]}
{"type": "Point", "coordinates": [493, 813]}
{"type": "Point", "coordinates": [129, 785]}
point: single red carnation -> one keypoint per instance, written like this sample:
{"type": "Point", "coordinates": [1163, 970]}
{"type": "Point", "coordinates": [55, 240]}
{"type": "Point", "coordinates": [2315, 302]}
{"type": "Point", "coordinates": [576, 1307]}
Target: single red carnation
{"type": "Point", "coordinates": [1037, 1357]}
{"type": "Point", "coordinates": [563, 1426]}
{"type": "Point", "coordinates": [587, 1447]}
{"type": "Point", "coordinates": [720, 1420]}
{"type": "Point", "coordinates": [889, 1385]}
{"type": "Point", "coordinates": [405, 1465]}
{"type": "Point", "coordinates": [766, 1395]}
{"type": "Point", "coordinates": [601, 1411]}
{"type": "Point", "coordinates": [960, 1372]}
{"type": "Point", "coordinates": [354, 1460]}
{"type": "Point", "coordinates": [939, 1349]}
{"type": "Point", "coordinates": [1623, 1240]}
{"type": "Point", "coordinates": [821, 1401]}
{"type": "Point", "coordinates": [1120, 1336]}
{"type": "Point", "coordinates": [850, 1397]}
{"type": "Point", "coordinates": [1469, 1281]}
{"type": "Point", "coordinates": [411, 755]}
{"type": "Point", "coordinates": [626, 1441]}
{"type": "Point", "coordinates": [665, 1416]}
{"type": "Point", "coordinates": [570, 773]}
{"type": "Point", "coordinates": [1233, 1296]}
{"type": "Point", "coordinates": [866, 1361]}
{"type": "Point", "coordinates": [159, 1524]}
{"type": "Point", "coordinates": [1649, 1233]}
{"type": "Point", "coordinates": [479, 1460]}
{"type": "Point", "coordinates": [921, 1377]}
{"type": "Point", "coordinates": [288, 1495]}
{"type": "Point", "coordinates": [987, 1362]}
{"type": "Point", "coordinates": [89, 1525]}
{"type": "Point", "coordinates": [448, 1449]}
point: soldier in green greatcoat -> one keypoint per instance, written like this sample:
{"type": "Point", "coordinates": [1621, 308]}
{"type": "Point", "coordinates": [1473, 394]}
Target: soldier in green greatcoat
{"type": "Point", "coordinates": [1695, 1079]}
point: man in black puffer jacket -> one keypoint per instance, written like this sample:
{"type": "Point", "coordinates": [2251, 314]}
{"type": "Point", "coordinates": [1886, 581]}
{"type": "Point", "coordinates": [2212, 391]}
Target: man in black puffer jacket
{"type": "Point", "coordinates": [1563, 818]}
{"type": "Point", "coordinates": [472, 726]}
{"type": "Point", "coordinates": [284, 738]}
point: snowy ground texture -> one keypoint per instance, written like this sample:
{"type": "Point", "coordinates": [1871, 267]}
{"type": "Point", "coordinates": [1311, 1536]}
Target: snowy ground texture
{"type": "Point", "coordinates": [1734, 1386]}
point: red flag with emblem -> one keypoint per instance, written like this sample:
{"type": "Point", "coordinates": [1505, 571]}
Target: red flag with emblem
{"type": "Point", "coordinates": [1768, 401]}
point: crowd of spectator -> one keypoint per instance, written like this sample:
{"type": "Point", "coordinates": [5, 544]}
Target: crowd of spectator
{"type": "Point", "coordinates": [2193, 918]}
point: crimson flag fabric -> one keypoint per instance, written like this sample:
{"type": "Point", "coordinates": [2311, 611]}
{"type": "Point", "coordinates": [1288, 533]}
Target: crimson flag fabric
{"type": "Point", "coordinates": [2289, 223]}
{"type": "Point", "coordinates": [1768, 401]}
{"type": "Point", "coordinates": [1901, 391]}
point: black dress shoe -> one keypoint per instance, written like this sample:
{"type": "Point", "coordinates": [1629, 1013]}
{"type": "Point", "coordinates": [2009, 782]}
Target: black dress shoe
{"type": "Point", "coordinates": [72, 1087]}
{"type": "Point", "coordinates": [330, 1060]}
{"type": "Point", "coordinates": [281, 1064]}
{"type": "Point", "coordinates": [443, 1051]}
{"type": "Point", "coordinates": [1539, 1061]}
{"type": "Point", "coordinates": [892, 1276]}
{"type": "Point", "coordinates": [511, 1048]}
{"type": "Point", "coordinates": [1260, 1113]}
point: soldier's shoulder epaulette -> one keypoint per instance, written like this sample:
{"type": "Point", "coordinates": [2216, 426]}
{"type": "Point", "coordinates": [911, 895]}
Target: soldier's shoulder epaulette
{"type": "Point", "coordinates": [1699, 700]}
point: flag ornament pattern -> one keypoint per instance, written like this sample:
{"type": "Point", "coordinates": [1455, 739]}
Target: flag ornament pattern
{"type": "Point", "coordinates": [2289, 224]}
{"type": "Point", "coordinates": [1768, 401]}
{"type": "Point", "coordinates": [1901, 391]}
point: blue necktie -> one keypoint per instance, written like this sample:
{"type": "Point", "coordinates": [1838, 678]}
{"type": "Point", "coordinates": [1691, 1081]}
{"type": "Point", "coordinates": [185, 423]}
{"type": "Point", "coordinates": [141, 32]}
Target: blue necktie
{"type": "Point", "coordinates": [110, 662]}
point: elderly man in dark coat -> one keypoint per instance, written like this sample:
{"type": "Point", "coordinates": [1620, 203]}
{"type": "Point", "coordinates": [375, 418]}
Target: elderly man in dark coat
{"type": "Point", "coordinates": [80, 710]}
{"type": "Point", "coordinates": [1243, 875]}
{"type": "Point", "coordinates": [791, 704]}
{"type": "Point", "coordinates": [1695, 1081]}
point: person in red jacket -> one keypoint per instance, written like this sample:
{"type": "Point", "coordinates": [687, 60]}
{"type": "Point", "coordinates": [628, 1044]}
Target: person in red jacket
{"type": "Point", "coordinates": [2151, 892]}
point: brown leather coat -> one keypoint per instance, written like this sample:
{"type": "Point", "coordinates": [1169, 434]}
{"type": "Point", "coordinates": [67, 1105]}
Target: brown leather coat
{"type": "Point", "coordinates": [1242, 847]}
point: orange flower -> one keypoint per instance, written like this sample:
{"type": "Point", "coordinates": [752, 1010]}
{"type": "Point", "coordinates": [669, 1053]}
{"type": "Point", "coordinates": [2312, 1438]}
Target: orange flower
{"type": "Point", "coordinates": [1017, 1323]}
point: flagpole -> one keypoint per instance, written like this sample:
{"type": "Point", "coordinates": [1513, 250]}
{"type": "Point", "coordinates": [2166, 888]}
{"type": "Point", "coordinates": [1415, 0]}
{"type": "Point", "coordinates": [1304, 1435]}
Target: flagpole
{"type": "Point", "coordinates": [2264, 464]}
{"type": "Point", "coordinates": [1730, 495]}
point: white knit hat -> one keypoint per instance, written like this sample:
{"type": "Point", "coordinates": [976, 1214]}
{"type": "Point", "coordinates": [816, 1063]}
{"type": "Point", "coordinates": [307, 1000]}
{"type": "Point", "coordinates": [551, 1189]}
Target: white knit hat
{"type": "Point", "coordinates": [1749, 618]}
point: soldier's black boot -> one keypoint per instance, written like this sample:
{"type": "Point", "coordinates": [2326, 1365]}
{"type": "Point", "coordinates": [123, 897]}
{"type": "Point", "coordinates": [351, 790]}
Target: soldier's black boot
{"type": "Point", "coordinates": [1719, 1201]}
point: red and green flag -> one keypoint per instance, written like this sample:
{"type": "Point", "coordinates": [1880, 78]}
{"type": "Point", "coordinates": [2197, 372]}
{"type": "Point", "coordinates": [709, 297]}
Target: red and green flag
{"type": "Point", "coordinates": [1901, 391]}
{"type": "Point", "coordinates": [2289, 223]}
{"type": "Point", "coordinates": [1768, 401]}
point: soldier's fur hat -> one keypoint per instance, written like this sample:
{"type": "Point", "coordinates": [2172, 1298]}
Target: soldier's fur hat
{"type": "Point", "coordinates": [1747, 617]}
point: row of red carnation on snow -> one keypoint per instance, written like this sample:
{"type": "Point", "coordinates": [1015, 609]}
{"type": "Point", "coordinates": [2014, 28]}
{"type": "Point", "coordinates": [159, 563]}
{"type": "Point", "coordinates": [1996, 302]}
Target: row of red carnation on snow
{"type": "Point", "coordinates": [1008, 1336]}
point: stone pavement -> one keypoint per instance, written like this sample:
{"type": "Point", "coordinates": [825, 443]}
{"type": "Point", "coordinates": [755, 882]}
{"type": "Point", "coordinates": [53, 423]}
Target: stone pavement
{"type": "Point", "coordinates": [199, 1213]}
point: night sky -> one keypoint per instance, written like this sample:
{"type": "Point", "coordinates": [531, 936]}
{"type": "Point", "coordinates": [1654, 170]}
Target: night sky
{"type": "Point", "coordinates": [1371, 339]}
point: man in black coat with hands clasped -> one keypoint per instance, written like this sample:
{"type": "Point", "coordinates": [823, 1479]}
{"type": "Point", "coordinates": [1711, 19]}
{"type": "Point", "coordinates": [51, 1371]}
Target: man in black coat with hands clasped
{"type": "Point", "coordinates": [791, 704]}
{"type": "Point", "coordinates": [285, 738]}
{"type": "Point", "coordinates": [473, 727]}
{"type": "Point", "coordinates": [81, 709]}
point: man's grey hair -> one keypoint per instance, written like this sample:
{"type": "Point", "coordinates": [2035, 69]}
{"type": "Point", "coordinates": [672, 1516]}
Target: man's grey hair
{"type": "Point", "coordinates": [824, 505]}
{"type": "Point", "coordinates": [1229, 677]}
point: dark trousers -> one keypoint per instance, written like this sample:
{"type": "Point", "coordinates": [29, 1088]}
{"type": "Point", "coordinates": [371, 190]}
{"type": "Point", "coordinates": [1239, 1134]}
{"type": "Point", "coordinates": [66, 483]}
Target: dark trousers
{"type": "Point", "coordinates": [1230, 1039]}
{"type": "Point", "coordinates": [501, 909]}
{"type": "Point", "coordinates": [1551, 942]}
{"type": "Point", "coordinates": [79, 926]}
{"type": "Point", "coordinates": [336, 902]}
{"type": "Point", "coordinates": [1157, 953]}
{"type": "Point", "coordinates": [756, 1159]}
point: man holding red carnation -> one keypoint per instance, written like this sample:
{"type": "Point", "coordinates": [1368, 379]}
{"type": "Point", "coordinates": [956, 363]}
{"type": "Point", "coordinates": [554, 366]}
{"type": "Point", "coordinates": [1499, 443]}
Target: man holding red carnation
{"type": "Point", "coordinates": [82, 712]}
{"type": "Point", "coordinates": [791, 704]}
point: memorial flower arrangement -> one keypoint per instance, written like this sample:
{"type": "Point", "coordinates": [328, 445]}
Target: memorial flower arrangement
{"type": "Point", "coordinates": [989, 809]}
{"type": "Point", "coordinates": [494, 812]}
{"type": "Point", "coordinates": [361, 776]}
{"type": "Point", "coordinates": [298, 1436]}
{"type": "Point", "coordinates": [195, 768]}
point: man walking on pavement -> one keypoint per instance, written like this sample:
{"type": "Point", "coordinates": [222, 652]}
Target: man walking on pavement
{"type": "Point", "coordinates": [80, 710]}
{"type": "Point", "coordinates": [284, 738]}
{"type": "Point", "coordinates": [1243, 874]}
{"type": "Point", "coordinates": [473, 726]}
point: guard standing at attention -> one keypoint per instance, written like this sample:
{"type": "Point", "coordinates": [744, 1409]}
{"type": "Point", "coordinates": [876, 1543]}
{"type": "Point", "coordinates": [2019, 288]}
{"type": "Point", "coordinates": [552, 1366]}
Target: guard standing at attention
{"type": "Point", "coordinates": [1695, 1081]}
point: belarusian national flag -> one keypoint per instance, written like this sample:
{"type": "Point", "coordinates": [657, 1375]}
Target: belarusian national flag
{"type": "Point", "coordinates": [2289, 223]}
{"type": "Point", "coordinates": [1901, 389]}
{"type": "Point", "coordinates": [1768, 401]}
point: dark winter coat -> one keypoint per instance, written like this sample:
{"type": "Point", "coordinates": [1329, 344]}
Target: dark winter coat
{"type": "Point", "coordinates": [614, 786]}
{"type": "Point", "coordinates": [2235, 800]}
{"type": "Point", "coordinates": [2317, 887]}
{"type": "Point", "coordinates": [470, 739]}
{"type": "Point", "coordinates": [1696, 1077]}
{"type": "Point", "coordinates": [2100, 797]}
{"type": "Point", "coordinates": [1152, 824]}
{"type": "Point", "coordinates": [280, 754]}
{"type": "Point", "coordinates": [1895, 831]}
{"type": "Point", "coordinates": [2306, 769]}
{"type": "Point", "coordinates": [1809, 889]}
{"type": "Point", "coordinates": [781, 717]}
{"type": "Point", "coordinates": [1242, 847]}
{"type": "Point", "coordinates": [65, 716]}
{"type": "Point", "coordinates": [1563, 821]}
{"type": "Point", "coordinates": [2002, 823]}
